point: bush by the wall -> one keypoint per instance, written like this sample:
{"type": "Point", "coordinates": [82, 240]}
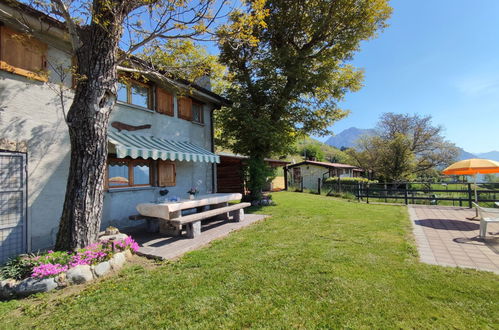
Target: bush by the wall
{"type": "Point", "coordinates": [347, 180]}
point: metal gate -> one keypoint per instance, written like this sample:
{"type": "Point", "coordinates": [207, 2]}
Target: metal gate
{"type": "Point", "coordinates": [13, 202]}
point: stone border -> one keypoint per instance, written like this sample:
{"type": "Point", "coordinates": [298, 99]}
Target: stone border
{"type": "Point", "coordinates": [80, 274]}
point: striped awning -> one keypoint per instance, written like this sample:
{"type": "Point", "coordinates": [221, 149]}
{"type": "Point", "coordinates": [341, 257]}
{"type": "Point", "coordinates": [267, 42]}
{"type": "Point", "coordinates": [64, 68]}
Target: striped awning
{"type": "Point", "coordinates": [136, 146]}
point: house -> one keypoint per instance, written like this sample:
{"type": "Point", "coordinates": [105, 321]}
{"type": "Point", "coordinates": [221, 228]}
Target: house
{"type": "Point", "coordinates": [160, 136]}
{"type": "Point", "coordinates": [306, 173]}
{"type": "Point", "coordinates": [231, 178]}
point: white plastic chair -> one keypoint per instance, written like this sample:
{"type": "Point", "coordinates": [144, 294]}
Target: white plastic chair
{"type": "Point", "coordinates": [486, 215]}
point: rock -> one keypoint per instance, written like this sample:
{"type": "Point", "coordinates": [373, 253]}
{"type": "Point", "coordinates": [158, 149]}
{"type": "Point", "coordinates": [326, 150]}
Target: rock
{"type": "Point", "coordinates": [116, 237]}
{"type": "Point", "coordinates": [118, 260]}
{"type": "Point", "coordinates": [112, 230]}
{"type": "Point", "coordinates": [102, 269]}
{"type": "Point", "coordinates": [80, 274]}
{"type": "Point", "coordinates": [7, 288]}
{"type": "Point", "coordinates": [128, 254]}
{"type": "Point", "coordinates": [34, 285]}
{"type": "Point", "coordinates": [62, 280]}
{"type": "Point", "coordinates": [255, 203]}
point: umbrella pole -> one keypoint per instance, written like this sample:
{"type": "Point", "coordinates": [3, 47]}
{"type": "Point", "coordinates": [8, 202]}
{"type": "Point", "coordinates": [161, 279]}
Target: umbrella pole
{"type": "Point", "coordinates": [476, 195]}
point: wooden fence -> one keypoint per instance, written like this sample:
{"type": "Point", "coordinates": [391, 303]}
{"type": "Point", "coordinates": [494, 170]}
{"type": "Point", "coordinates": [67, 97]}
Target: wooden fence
{"type": "Point", "coordinates": [457, 194]}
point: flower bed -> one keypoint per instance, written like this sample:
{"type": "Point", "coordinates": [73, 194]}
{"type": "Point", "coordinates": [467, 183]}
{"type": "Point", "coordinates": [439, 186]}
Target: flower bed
{"type": "Point", "coordinates": [28, 274]}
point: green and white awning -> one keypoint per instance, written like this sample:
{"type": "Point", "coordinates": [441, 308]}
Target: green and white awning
{"type": "Point", "coordinates": [136, 146]}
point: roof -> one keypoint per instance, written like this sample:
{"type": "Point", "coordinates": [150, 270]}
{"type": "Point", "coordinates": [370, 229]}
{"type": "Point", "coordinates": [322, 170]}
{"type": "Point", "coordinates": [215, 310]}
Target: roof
{"type": "Point", "coordinates": [323, 164]}
{"type": "Point", "coordinates": [61, 25]}
{"type": "Point", "coordinates": [135, 146]}
{"type": "Point", "coordinates": [35, 13]}
{"type": "Point", "coordinates": [236, 156]}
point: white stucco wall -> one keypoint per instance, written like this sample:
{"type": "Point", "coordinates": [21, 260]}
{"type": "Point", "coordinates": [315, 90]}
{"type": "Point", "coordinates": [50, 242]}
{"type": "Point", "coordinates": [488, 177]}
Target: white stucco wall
{"type": "Point", "coordinates": [30, 111]}
{"type": "Point", "coordinates": [310, 174]}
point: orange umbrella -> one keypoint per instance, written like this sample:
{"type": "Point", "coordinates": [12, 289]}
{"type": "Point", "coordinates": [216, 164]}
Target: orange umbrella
{"type": "Point", "coordinates": [473, 166]}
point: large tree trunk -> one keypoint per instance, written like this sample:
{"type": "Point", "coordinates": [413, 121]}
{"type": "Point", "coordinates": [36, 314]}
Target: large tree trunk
{"type": "Point", "coordinates": [88, 119]}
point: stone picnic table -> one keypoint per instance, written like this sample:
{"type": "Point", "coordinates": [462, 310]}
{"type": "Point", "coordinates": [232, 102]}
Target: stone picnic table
{"type": "Point", "coordinates": [171, 211]}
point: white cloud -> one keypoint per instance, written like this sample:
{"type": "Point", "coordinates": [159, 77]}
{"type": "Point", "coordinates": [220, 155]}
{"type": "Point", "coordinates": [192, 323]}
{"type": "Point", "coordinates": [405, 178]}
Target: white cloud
{"type": "Point", "coordinates": [478, 85]}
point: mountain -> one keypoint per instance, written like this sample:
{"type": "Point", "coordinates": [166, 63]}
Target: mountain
{"type": "Point", "coordinates": [348, 137]}
{"type": "Point", "coordinates": [463, 154]}
{"type": "Point", "coordinates": [494, 155]}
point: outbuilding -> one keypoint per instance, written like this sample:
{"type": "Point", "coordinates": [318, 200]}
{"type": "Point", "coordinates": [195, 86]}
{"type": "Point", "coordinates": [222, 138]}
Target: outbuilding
{"type": "Point", "coordinates": [305, 174]}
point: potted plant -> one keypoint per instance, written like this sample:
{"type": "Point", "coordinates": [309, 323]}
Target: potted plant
{"type": "Point", "coordinates": [192, 192]}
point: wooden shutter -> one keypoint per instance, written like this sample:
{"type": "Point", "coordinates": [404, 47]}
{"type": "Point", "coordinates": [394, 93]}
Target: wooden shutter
{"type": "Point", "coordinates": [166, 174]}
{"type": "Point", "coordinates": [164, 102]}
{"type": "Point", "coordinates": [23, 55]}
{"type": "Point", "coordinates": [185, 108]}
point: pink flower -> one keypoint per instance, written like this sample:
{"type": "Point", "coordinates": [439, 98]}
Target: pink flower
{"type": "Point", "coordinates": [47, 270]}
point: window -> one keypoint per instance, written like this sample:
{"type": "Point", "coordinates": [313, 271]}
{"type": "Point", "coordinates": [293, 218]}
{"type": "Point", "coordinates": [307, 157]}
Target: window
{"type": "Point", "coordinates": [135, 93]}
{"type": "Point", "coordinates": [22, 54]}
{"type": "Point", "coordinates": [197, 112]}
{"type": "Point", "coordinates": [129, 173]}
{"type": "Point", "coordinates": [164, 102]}
{"type": "Point", "coordinates": [184, 107]}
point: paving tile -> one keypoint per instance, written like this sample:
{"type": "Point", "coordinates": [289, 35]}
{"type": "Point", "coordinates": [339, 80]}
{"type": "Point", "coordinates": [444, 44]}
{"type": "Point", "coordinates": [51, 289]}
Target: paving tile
{"type": "Point", "coordinates": [445, 235]}
{"type": "Point", "coordinates": [164, 247]}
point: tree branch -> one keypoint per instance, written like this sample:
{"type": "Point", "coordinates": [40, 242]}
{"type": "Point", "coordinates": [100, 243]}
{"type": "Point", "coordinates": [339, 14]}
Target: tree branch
{"type": "Point", "coordinates": [60, 8]}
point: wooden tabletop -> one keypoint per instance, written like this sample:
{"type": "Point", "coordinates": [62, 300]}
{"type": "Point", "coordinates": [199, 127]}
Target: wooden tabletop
{"type": "Point", "coordinates": [163, 210]}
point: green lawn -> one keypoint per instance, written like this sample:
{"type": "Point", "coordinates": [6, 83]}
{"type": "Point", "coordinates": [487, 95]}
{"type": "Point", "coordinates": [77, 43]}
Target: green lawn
{"type": "Point", "coordinates": [318, 262]}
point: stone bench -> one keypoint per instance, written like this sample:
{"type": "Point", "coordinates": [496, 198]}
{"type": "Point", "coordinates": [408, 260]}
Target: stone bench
{"type": "Point", "coordinates": [192, 222]}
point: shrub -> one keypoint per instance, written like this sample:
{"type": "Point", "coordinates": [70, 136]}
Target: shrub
{"type": "Point", "coordinates": [18, 268]}
{"type": "Point", "coordinates": [347, 180]}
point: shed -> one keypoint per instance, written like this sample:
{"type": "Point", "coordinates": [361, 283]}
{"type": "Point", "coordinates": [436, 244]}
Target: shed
{"type": "Point", "coordinates": [307, 172]}
{"type": "Point", "coordinates": [230, 173]}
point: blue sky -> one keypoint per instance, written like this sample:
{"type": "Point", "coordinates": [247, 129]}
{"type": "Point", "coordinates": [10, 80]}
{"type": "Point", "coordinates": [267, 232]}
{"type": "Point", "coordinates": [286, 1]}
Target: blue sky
{"type": "Point", "coordinates": [437, 57]}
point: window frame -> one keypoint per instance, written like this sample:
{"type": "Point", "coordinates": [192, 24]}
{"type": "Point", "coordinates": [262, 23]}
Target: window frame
{"type": "Point", "coordinates": [201, 112]}
{"type": "Point", "coordinates": [130, 164]}
{"type": "Point", "coordinates": [129, 98]}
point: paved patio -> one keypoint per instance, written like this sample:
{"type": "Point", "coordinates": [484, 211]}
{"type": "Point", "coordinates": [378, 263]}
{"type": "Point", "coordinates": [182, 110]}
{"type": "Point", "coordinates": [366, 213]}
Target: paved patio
{"type": "Point", "coordinates": [156, 245]}
{"type": "Point", "coordinates": [446, 237]}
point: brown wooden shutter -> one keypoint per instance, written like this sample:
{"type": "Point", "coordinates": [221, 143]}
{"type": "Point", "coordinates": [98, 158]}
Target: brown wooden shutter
{"type": "Point", "coordinates": [164, 102]}
{"type": "Point", "coordinates": [185, 108]}
{"type": "Point", "coordinates": [166, 174]}
{"type": "Point", "coordinates": [23, 55]}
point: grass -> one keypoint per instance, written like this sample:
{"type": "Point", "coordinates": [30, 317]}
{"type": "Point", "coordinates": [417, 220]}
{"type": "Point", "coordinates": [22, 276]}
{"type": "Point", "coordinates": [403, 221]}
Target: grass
{"type": "Point", "coordinates": [318, 262]}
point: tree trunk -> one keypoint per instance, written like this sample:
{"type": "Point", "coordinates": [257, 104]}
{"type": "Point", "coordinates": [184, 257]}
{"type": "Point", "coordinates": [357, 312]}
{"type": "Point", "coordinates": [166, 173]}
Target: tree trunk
{"type": "Point", "coordinates": [88, 119]}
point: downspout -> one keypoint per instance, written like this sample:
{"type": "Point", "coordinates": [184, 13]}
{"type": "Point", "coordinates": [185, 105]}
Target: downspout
{"type": "Point", "coordinates": [212, 133]}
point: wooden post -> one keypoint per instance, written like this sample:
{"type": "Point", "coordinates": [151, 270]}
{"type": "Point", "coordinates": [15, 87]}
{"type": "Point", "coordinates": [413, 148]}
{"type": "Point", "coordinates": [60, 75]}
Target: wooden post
{"type": "Point", "coordinates": [405, 194]}
{"type": "Point", "coordinates": [301, 184]}
{"type": "Point", "coordinates": [319, 186]}
{"type": "Point", "coordinates": [358, 191]}
{"type": "Point", "coordinates": [367, 193]}
{"type": "Point", "coordinates": [470, 196]}
{"type": "Point", "coordinates": [285, 178]}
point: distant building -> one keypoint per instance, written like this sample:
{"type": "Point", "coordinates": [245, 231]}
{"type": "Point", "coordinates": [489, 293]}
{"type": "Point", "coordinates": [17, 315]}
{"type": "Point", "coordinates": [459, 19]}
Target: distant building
{"type": "Point", "coordinates": [310, 171]}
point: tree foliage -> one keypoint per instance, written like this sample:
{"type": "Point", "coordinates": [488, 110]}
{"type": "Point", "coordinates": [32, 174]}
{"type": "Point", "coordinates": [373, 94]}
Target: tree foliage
{"type": "Point", "coordinates": [288, 78]}
{"type": "Point", "coordinates": [404, 147]}
{"type": "Point", "coordinates": [312, 152]}
{"type": "Point", "coordinates": [185, 59]}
